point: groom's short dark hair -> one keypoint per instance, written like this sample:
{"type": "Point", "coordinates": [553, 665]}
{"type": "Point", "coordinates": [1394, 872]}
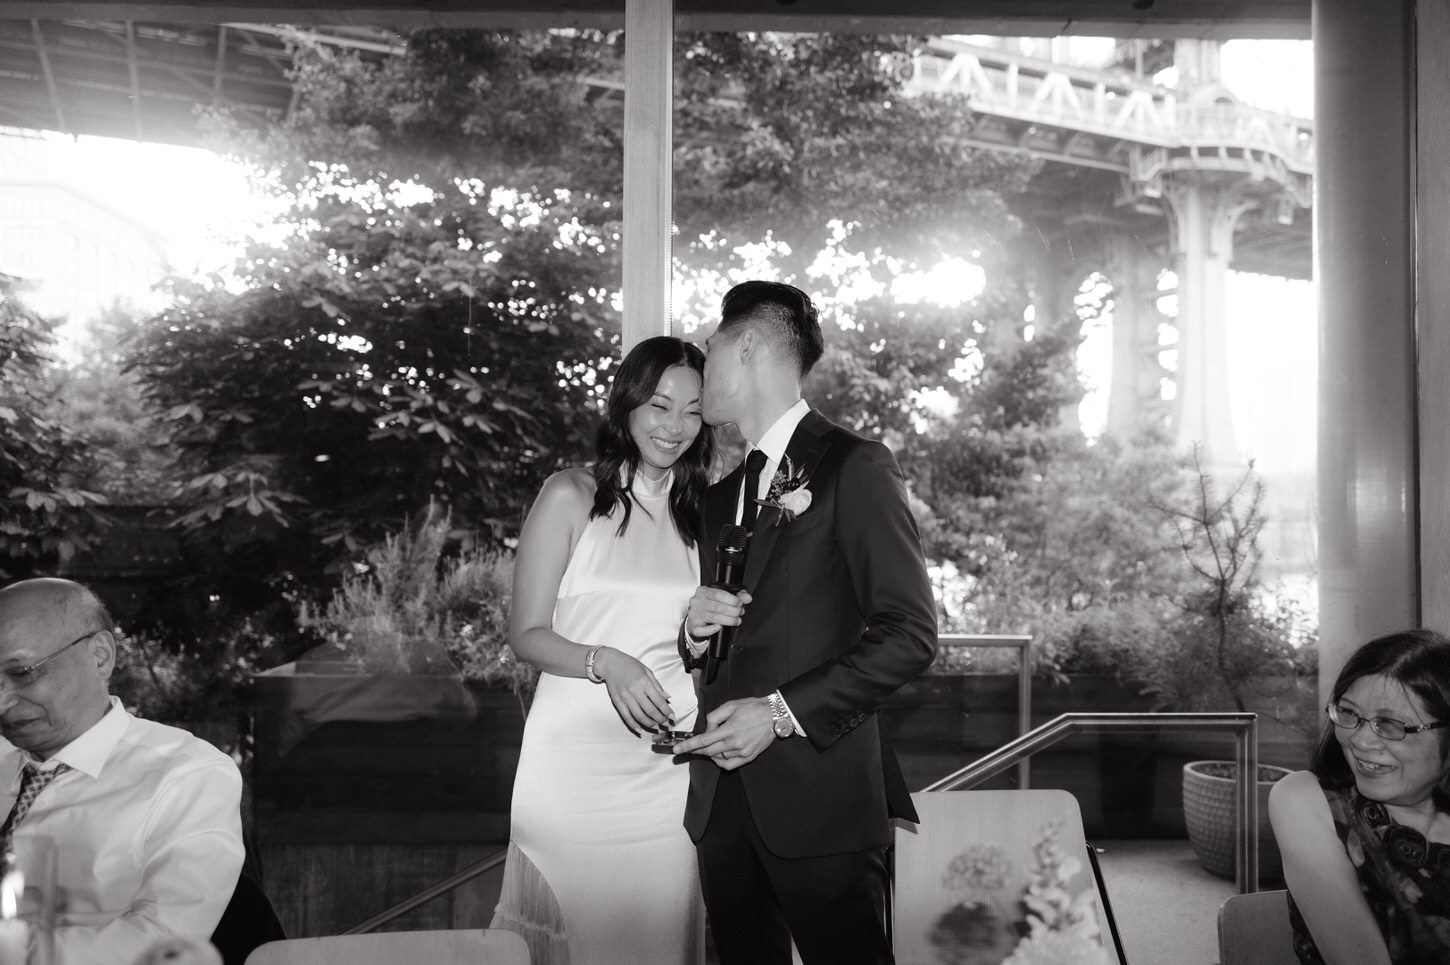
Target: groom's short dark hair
{"type": "Point", "coordinates": [785, 314]}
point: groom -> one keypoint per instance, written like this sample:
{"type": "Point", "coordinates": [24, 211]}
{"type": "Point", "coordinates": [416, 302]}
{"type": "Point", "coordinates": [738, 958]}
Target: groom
{"type": "Point", "coordinates": [793, 787]}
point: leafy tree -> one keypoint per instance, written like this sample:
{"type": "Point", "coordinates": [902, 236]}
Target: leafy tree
{"type": "Point", "coordinates": [433, 315]}
{"type": "Point", "coordinates": [813, 139]}
{"type": "Point", "coordinates": [432, 320]}
{"type": "Point", "coordinates": [45, 514]}
{"type": "Point", "coordinates": [431, 323]}
{"type": "Point", "coordinates": [106, 409]}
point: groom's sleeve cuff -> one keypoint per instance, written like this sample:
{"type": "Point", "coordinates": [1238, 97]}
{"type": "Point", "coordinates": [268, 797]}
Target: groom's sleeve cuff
{"type": "Point", "coordinates": [692, 652]}
{"type": "Point", "coordinates": [794, 720]}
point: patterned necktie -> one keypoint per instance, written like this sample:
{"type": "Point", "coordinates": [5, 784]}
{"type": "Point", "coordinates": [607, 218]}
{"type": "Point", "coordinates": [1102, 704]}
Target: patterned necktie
{"type": "Point", "coordinates": [753, 464]}
{"type": "Point", "coordinates": [31, 784]}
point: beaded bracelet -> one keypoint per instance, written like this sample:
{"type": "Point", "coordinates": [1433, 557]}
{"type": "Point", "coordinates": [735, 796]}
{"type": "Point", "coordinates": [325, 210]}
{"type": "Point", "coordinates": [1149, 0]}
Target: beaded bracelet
{"type": "Point", "coordinates": [589, 670]}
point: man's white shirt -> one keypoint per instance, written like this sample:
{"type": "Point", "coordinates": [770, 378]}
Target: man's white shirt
{"type": "Point", "coordinates": [147, 826]}
{"type": "Point", "coordinates": [773, 443]}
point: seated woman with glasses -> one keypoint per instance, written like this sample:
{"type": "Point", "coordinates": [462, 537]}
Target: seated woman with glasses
{"type": "Point", "coordinates": [1365, 833]}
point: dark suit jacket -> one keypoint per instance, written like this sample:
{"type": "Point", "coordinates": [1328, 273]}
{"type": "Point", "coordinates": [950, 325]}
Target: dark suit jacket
{"type": "Point", "coordinates": [842, 615]}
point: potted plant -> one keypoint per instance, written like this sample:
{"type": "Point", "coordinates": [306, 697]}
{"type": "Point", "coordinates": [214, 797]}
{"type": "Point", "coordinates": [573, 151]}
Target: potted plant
{"type": "Point", "coordinates": [1230, 650]}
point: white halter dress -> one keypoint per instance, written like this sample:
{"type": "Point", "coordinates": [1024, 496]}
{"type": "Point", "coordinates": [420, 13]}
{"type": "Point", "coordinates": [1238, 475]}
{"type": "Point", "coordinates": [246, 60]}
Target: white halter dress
{"type": "Point", "coordinates": [600, 869]}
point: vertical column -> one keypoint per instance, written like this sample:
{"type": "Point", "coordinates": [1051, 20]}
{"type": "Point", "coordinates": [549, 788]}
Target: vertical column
{"type": "Point", "coordinates": [649, 38]}
{"type": "Point", "coordinates": [1135, 394]}
{"type": "Point", "coordinates": [1203, 219]}
{"type": "Point", "coordinates": [1364, 228]}
{"type": "Point", "coordinates": [1432, 252]}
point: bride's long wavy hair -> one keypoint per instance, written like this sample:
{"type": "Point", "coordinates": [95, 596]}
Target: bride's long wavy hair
{"type": "Point", "coordinates": [616, 455]}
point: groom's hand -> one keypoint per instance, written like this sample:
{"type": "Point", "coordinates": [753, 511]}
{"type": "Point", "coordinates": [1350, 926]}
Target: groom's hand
{"type": "Point", "coordinates": [736, 732]}
{"type": "Point", "coordinates": [712, 608]}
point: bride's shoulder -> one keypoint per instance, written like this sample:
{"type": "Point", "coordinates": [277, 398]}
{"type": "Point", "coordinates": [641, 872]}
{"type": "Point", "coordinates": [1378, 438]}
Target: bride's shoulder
{"type": "Point", "coordinates": [571, 488]}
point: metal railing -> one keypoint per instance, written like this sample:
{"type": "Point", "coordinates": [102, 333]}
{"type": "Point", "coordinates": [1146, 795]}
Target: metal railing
{"type": "Point", "coordinates": [459, 877]}
{"type": "Point", "coordinates": [1023, 646]}
{"type": "Point", "coordinates": [1244, 727]}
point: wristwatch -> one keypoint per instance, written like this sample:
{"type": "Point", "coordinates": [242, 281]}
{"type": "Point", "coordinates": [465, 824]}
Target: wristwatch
{"type": "Point", "coordinates": [780, 714]}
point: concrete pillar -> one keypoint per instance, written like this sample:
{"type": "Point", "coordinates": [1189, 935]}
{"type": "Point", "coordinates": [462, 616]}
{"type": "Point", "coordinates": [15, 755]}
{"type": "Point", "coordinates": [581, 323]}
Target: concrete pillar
{"type": "Point", "coordinates": [1364, 219]}
{"type": "Point", "coordinates": [1203, 219]}
{"type": "Point", "coordinates": [1135, 398]}
{"type": "Point", "coordinates": [1432, 300]}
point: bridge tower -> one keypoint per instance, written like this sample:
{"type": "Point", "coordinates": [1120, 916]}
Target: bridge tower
{"type": "Point", "coordinates": [1140, 178]}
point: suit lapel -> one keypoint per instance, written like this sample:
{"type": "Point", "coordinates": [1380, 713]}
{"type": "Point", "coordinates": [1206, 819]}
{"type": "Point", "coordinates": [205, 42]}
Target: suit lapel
{"type": "Point", "coordinates": [807, 445]}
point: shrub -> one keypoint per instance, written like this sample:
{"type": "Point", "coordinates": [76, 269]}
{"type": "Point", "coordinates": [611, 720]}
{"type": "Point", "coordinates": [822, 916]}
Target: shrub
{"type": "Point", "coordinates": [410, 609]}
{"type": "Point", "coordinates": [1227, 644]}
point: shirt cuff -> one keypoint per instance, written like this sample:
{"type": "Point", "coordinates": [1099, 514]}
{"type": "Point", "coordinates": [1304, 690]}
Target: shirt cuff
{"type": "Point", "coordinates": [795, 722]}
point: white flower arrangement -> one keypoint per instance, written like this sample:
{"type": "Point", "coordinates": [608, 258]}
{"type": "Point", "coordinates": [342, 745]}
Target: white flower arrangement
{"type": "Point", "coordinates": [788, 492]}
{"type": "Point", "coordinates": [1061, 929]}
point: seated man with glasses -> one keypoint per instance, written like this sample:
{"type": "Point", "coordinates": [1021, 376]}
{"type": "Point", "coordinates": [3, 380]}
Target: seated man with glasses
{"type": "Point", "coordinates": [1365, 833]}
{"type": "Point", "coordinates": [145, 818]}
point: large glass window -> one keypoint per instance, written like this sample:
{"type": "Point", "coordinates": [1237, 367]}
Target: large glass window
{"type": "Point", "coordinates": [322, 307]}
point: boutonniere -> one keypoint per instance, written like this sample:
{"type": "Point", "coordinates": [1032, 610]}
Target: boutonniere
{"type": "Point", "coordinates": [788, 492]}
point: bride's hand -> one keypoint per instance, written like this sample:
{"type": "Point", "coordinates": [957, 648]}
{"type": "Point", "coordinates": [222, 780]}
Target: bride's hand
{"type": "Point", "coordinates": [637, 696]}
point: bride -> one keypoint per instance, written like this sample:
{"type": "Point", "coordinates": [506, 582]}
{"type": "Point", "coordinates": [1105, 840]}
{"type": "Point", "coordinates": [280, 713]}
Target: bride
{"type": "Point", "coordinates": [599, 867]}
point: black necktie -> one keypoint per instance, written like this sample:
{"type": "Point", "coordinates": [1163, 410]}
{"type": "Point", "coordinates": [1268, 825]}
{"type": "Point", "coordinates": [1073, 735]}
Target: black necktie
{"type": "Point", "coordinates": [753, 464]}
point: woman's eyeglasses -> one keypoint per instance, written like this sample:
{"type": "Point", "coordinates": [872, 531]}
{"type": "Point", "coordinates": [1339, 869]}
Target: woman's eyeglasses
{"type": "Point", "coordinates": [1386, 727]}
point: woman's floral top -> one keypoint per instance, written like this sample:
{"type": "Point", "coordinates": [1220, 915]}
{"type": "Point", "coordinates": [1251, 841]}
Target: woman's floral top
{"type": "Point", "coordinates": [1404, 877]}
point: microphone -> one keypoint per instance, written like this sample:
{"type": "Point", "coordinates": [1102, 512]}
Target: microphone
{"type": "Point", "coordinates": [729, 575]}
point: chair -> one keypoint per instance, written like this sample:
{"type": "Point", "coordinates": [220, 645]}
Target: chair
{"type": "Point", "coordinates": [248, 922]}
{"type": "Point", "coordinates": [1254, 930]}
{"type": "Point", "coordinates": [961, 875]}
{"type": "Point", "coordinates": [475, 946]}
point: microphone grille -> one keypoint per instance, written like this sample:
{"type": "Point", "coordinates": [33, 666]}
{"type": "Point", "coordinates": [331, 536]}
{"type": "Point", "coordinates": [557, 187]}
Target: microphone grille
{"type": "Point", "coordinates": [733, 538]}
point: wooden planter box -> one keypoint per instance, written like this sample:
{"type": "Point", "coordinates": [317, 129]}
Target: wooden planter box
{"type": "Point", "coordinates": [395, 784]}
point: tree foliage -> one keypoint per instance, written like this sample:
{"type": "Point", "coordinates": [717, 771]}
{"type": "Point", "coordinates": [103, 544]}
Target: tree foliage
{"type": "Point", "coordinates": [802, 135]}
{"type": "Point", "coordinates": [432, 316]}
{"type": "Point", "coordinates": [429, 322]}
{"type": "Point", "coordinates": [46, 515]}
{"type": "Point", "coordinates": [105, 408]}
{"type": "Point", "coordinates": [432, 319]}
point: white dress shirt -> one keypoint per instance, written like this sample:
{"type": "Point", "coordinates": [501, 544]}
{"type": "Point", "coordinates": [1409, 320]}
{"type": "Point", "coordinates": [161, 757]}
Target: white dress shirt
{"type": "Point", "coordinates": [148, 833]}
{"type": "Point", "coordinates": [773, 444]}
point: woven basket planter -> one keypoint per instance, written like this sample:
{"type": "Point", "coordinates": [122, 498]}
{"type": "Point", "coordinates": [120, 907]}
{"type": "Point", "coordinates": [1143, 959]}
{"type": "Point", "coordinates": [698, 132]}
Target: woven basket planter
{"type": "Point", "coordinates": [1208, 812]}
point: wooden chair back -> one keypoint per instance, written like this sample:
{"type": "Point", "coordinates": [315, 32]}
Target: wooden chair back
{"type": "Point", "coordinates": [1254, 930]}
{"type": "Point", "coordinates": [961, 877]}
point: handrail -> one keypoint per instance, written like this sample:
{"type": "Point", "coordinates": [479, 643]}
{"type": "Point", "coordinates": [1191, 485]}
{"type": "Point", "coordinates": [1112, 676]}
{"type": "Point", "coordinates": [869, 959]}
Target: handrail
{"type": "Point", "coordinates": [1244, 726]}
{"type": "Point", "coordinates": [1246, 756]}
{"type": "Point", "coordinates": [1023, 645]}
{"type": "Point", "coordinates": [432, 891]}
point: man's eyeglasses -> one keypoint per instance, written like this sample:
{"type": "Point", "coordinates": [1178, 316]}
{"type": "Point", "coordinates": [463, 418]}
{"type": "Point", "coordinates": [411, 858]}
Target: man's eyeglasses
{"type": "Point", "coordinates": [19, 677]}
{"type": "Point", "coordinates": [1386, 727]}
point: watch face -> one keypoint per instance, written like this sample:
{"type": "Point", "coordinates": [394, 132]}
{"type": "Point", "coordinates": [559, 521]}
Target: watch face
{"type": "Point", "coordinates": [783, 727]}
